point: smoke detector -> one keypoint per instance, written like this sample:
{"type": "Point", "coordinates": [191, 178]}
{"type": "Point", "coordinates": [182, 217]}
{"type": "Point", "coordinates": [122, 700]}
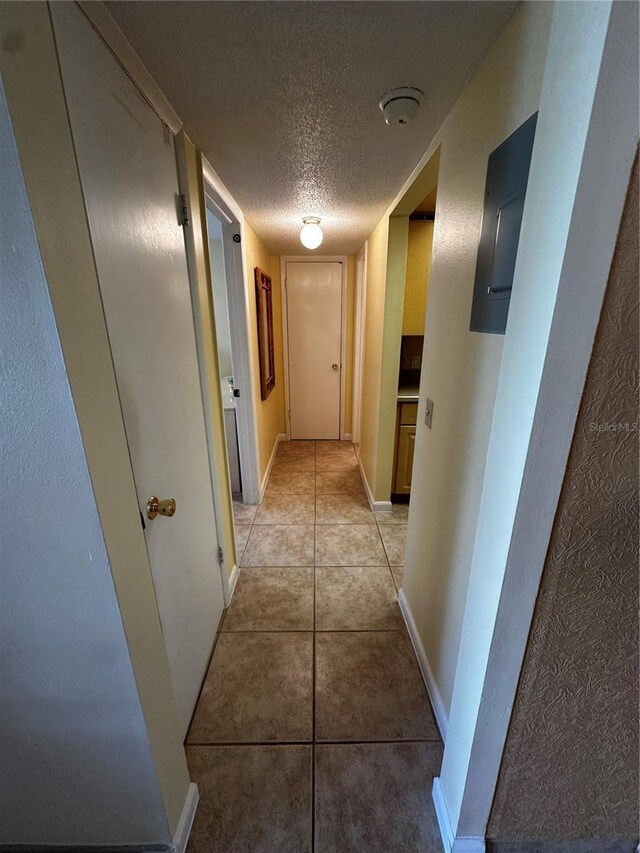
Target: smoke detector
{"type": "Point", "coordinates": [399, 106]}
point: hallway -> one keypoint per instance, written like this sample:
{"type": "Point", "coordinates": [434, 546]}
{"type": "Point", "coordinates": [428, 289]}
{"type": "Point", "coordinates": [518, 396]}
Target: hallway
{"type": "Point", "coordinates": [313, 684]}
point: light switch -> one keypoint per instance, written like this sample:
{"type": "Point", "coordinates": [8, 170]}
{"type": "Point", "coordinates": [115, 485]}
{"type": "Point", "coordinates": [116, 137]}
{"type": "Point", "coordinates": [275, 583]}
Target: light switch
{"type": "Point", "coordinates": [428, 413]}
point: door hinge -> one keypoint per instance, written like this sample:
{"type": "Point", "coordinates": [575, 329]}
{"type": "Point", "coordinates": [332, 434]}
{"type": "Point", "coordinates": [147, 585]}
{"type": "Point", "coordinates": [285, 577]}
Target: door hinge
{"type": "Point", "coordinates": [220, 555]}
{"type": "Point", "coordinates": [185, 210]}
{"type": "Point", "coordinates": [289, 414]}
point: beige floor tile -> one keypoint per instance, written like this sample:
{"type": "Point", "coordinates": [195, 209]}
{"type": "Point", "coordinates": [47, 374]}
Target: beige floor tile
{"type": "Point", "coordinates": [376, 797]}
{"type": "Point", "coordinates": [335, 456]}
{"type": "Point", "coordinates": [242, 537]}
{"type": "Point", "coordinates": [296, 449]}
{"type": "Point", "coordinates": [336, 462]}
{"type": "Point", "coordinates": [394, 539]}
{"type": "Point", "coordinates": [348, 545]}
{"type": "Point", "coordinates": [238, 812]}
{"type": "Point", "coordinates": [272, 599]}
{"type": "Point", "coordinates": [343, 509]}
{"type": "Point", "coordinates": [328, 447]}
{"type": "Point", "coordinates": [258, 688]}
{"type": "Point", "coordinates": [356, 599]}
{"type": "Point", "coordinates": [397, 572]}
{"type": "Point", "coordinates": [244, 513]}
{"type": "Point", "coordinates": [291, 483]}
{"type": "Point", "coordinates": [398, 515]}
{"type": "Point", "coordinates": [279, 545]}
{"type": "Point", "coordinates": [294, 463]}
{"type": "Point", "coordinates": [286, 509]}
{"type": "Point", "coordinates": [339, 482]}
{"type": "Point", "coordinates": [369, 687]}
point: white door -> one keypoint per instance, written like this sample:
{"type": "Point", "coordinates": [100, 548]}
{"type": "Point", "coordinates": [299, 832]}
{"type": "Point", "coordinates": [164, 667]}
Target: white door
{"type": "Point", "coordinates": [314, 333]}
{"type": "Point", "coordinates": [127, 164]}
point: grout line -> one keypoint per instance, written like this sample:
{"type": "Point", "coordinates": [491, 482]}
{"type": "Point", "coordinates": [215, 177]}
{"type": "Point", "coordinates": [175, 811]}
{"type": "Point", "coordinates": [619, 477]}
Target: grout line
{"type": "Point", "coordinates": [398, 630]}
{"type": "Point", "coordinates": [310, 743]}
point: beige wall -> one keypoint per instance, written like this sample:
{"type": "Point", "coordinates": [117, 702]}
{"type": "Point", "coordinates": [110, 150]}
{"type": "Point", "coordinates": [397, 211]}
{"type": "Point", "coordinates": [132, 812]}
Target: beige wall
{"type": "Point", "coordinates": [581, 662]}
{"type": "Point", "coordinates": [270, 414]}
{"type": "Point", "coordinates": [460, 368]}
{"type": "Point", "coordinates": [417, 281]}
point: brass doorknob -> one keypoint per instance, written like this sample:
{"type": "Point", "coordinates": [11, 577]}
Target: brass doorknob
{"type": "Point", "coordinates": [166, 507]}
{"type": "Point", "coordinates": [335, 366]}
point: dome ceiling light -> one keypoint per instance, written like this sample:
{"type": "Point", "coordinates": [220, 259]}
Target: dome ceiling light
{"type": "Point", "coordinates": [311, 234]}
{"type": "Point", "coordinates": [399, 106]}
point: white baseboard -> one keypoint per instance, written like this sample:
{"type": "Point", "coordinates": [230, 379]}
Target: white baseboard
{"type": "Point", "coordinates": [181, 838]}
{"type": "Point", "coordinates": [442, 815]}
{"type": "Point", "coordinates": [231, 584]}
{"type": "Point", "coordinates": [467, 844]}
{"type": "Point", "coordinates": [376, 506]}
{"type": "Point", "coordinates": [280, 437]}
{"type": "Point", "coordinates": [347, 437]}
{"type": "Point", "coordinates": [425, 668]}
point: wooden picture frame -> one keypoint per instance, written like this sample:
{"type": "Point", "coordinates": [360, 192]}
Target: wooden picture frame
{"type": "Point", "coordinates": [264, 314]}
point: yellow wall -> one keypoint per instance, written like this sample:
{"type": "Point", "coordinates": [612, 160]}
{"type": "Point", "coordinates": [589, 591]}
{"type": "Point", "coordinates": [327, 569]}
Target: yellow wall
{"type": "Point", "coordinates": [417, 281]}
{"type": "Point", "coordinates": [197, 244]}
{"type": "Point", "coordinates": [270, 414]}
{"type": "Point", "coordinates": [372, 361]}
{"type": "Point", "coordinates": [390, 362]}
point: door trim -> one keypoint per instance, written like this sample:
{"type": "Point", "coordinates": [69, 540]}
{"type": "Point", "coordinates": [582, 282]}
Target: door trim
{"type": "Point", "coordinates": [318, 259]}
{"type": "Point", "coordinates": [232, 222]}
{"type": "Point", "coordinates": [358, 340]}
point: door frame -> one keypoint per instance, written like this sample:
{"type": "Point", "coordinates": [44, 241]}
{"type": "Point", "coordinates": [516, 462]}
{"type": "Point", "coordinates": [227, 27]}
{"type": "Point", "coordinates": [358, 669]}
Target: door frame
{"type": "Point", "coordinates": [360, 309]}
{"type": "Point", "coordinates": [319, 259]}
{"type": "Point", "coordinates": [217, 198]}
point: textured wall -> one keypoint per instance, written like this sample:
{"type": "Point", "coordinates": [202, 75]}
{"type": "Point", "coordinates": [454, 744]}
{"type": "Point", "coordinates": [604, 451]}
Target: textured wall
{"type": "Point", "coordinates": [570, 766]}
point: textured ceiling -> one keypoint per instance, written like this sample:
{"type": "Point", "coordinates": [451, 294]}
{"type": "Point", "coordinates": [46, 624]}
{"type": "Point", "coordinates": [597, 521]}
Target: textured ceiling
{"type": "Point", "coordinates": [282, 98]}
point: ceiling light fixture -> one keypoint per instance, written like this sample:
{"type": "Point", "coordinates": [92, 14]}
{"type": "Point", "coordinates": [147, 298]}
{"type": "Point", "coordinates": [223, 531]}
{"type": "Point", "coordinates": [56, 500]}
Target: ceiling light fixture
{"type": "Point", "coordinates": [311, 234]}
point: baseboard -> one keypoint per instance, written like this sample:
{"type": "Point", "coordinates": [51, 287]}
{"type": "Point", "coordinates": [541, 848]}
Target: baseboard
{"type": "Point", "coordinates": [347, 437]}
{"type": "Point", "coordinates": [576, 845]}
{"type": "Point", "coordinates": [231, 584]}
{"type": "Point", "coordinates": [423, 661]}
{"type": "Point", "coordinates": [450, 842]}
{"type": "Point", "coordinates": [83, 848]}
{"type": "Point", "coordinates": [376, 506]}
{"type": "Point", "coordinates": [181, 838]}
{"type": "Point", "coordinates": [280, 437]}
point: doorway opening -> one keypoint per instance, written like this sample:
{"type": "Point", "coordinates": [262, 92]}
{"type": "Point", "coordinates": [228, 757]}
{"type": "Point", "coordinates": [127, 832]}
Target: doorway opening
{"type": "Point", "coordinates": [224, 233]}
{"type": "Point", "coordinates": [416, 284]}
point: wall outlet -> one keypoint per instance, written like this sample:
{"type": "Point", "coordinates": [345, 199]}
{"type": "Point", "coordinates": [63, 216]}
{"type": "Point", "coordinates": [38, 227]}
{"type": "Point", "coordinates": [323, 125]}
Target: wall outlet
{"type": "Point", "coordinates": [428, 413]}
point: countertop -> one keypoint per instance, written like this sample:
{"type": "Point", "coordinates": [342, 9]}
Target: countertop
{"type": "Point", "coordinates": [408, 394]}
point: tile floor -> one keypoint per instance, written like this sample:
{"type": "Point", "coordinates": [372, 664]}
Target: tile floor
{"type": "Point", "coordinates": [313, 731]}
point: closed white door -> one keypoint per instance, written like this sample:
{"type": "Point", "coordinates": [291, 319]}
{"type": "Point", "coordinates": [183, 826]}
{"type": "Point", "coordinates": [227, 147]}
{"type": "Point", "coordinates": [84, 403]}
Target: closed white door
{"type": "Point", "coordinates": [127, 164]}
{"type": "Point", "coordinates": [314, 333]}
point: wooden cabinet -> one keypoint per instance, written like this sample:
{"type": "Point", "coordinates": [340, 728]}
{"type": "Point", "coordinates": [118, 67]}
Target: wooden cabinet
{"type": "Point", "coordinates": [405, 446]}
